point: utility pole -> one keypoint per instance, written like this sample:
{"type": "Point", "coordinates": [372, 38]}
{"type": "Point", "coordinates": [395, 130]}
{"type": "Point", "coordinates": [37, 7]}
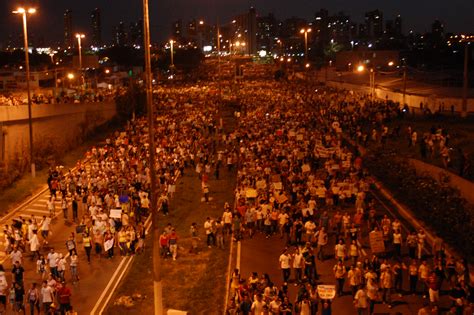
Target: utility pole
{"type": "Point", "coordinates": [219, 58]}
{"type": "Point", "coordinates": [157, 284]}
{"type": "Point", "coordinates": [23, 12]}
{"type": "Point", "coordinates": [404, 84]}
{"type": "Point", "coordinates": [465, 85]}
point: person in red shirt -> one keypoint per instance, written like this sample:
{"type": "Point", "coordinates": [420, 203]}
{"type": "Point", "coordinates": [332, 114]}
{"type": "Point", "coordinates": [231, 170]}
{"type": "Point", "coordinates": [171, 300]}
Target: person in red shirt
{"type": "Point", "coordinates": [164, 244]}
{"type": "Point", "coordinates": [64, 298]}
{"type": "Point", "coordinates": [434, 284]}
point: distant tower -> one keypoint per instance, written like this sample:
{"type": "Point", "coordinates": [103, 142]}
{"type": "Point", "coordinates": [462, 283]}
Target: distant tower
{"type": "Point", "coordinates": [177, 29]}
{"type": "Point", "coordinates": [398, 26]}
{"type": "Point", "coordinates": [120, 35]}
{"type": "Point", "coordinates": [68, 35]}
{"type": "Point", "coordinates": [96, 28]}
{"type": "Point", "coordinates": [252, 31]}
{"type": "Point", "coordinates": [374, 22]}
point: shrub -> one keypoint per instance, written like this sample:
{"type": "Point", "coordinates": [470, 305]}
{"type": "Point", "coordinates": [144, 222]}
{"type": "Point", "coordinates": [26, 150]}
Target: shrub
{"type": "Point", "coordinates": [440, 207]}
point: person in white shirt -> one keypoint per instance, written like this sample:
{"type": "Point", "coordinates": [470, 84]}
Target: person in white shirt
{"type": "Point", "coordinates": [298, 264]}
{"type": "Point", "coordinates": [282, 219]}
{"type": "Point", "coordinates": [275, 305]}
{"type": "Point", "coordinates": [46, 296]}
{"type": "Point", "coordinates": [285, 265]}
{"type": "Point", "coordinates": [258, 305]}
{"type": "Point", "coordinates": [309, 226]}
{"type": "Point", "coordinates": [209, 228]}
{"type": "Point", "coordinates": [361, 301]}
{"type": "Point", "coordinates": [227, 220]}
{"type": "Point", "coordinates": [340, 251]}
{"type": "Point", "coordinates": [61, 266]}
{"type": "Point", "coordinates": [16, 255]}
{"type": "Point", "coordinates": [397, 243]}
{"type": "Point", "coordinates": [421, 236]}
{"type": "Point", "coordinates": [45, 226]}
{"type": "Point", "coordinates": [53, 262]}
{"type": "Point", "coordinates": [322, 242]}
{"type": "Point", "coordinates": [34, 245]}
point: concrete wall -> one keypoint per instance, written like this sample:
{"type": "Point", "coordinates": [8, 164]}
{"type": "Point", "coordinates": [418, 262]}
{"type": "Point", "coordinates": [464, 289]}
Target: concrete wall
{"type": "Point", "coordinates": [429, 101]}
{"type": "Point", "coordinates": [62, 125]}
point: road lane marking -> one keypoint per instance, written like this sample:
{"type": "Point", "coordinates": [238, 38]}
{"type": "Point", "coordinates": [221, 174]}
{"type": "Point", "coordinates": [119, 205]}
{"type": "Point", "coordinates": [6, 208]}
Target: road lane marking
{"type": "Point", "coordinates": [102, 296]}
{"type": "Point", "coordinates": [36, 211]}
{"type": "Point", "coordinates": [125, 268]}
{"type": "Point", "coordinates": [107, 294]}
{"type": "Point", "coordinates": [229, 267]}
{"type": "Point", "coordinates": [239, 248]}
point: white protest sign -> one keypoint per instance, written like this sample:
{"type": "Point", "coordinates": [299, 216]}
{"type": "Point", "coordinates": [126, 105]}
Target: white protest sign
{"type": "Point", "coordinates": [326, 292]}
{"type": "Point", "coordinates": [115, 213]}
{"type": "Point", "coordinates": [108, 244]}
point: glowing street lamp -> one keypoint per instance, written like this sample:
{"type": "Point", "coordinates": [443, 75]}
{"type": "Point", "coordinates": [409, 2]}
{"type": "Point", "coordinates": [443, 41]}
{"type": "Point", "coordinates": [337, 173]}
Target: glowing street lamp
{"type": "Point", "coordinates": [24, 12]}
{"type": "Point", "coordinates": [70, 76]}
{"type": "Point", "coordinates": [305, 31]}
{"type": "Point", "coordinates": [360, 68]}
{"type": "Point", "coordinates": [79, 47]}
{"type": "Point", "coordinates": [172, 53]}
{"type": "Point", "coordinates": [391, 63]}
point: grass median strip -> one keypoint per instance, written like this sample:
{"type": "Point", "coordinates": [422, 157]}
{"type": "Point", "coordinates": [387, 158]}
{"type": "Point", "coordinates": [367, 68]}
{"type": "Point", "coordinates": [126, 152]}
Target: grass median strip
{"type": "Point", "coordinates": [194, 282]}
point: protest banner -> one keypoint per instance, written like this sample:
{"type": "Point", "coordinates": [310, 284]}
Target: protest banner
{"type": "Point", "coordinates": [326, 292]}
{"type": "Point", "coordinates": [376, 242]}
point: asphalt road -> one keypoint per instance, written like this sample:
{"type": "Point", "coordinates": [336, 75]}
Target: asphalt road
{"type": "Point", "coordinates": [261, 255]}
{"type": "Point", "coordinates": [94, 277]}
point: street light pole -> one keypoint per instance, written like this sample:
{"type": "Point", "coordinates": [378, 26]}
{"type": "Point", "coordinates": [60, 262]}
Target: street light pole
{"type": "Point", "coordinates": [372, 83]}
{"type": "Point", "coordinates": [172, 53]}
{"type": "Point", "coordinates": [404, 84]}
{"type": "Point", "coordinates": [305, 32]}
{"type": "Point", "coordinates": [23, 12]}
{"type": "Point", "coordinates": [465, 85]}
{"type": "Point", "coordinates": [79, 47]}
{"type": "Point", "coordinates": [157, 284]}
{"type": "Point", "coordinates": [219, 57]}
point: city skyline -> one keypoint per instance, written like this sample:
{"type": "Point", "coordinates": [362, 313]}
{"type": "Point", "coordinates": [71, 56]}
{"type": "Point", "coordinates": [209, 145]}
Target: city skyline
{"type": "Point", "coordinates": [455, 15]}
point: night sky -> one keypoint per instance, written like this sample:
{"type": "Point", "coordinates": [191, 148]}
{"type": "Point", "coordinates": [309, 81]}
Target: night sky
{"type": "Point", "coordinates": [458, 15]}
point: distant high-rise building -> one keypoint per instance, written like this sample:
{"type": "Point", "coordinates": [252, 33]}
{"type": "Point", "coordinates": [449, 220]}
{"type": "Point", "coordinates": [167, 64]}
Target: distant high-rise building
{"type": "Point", "coordinates": [191, 29]}
{"type": "Point", "coordinates": [374, 22]}
{"type": "Point", "coordinates": [320, 25]}
{"type": "Point", "coordinates": [363, 34]}
{"type": "Point", "coordinates": [68, 35]}
{"type": "Point", "coordinates": [245, 27]}
{"type": "Point", "coordinates": [136, 33]}
{"type": "Point", "coordinates": [389, 28]}
{"type": "Point", "coordinates": [120, 35]}
{"type": "Point", "coordinates": [96, 28]}
{"type": "Point", "coordinates": [266, 32]}
{"type": "Point", "coordinates": [177, 28]}
{"type": "Point", "coordinates": [398, 26]}
{"type": "Point", "coordinates": [437, 29]}
{"type": "Point", "coordinates": [340, 28]}
{"type": "Point", "coordinates": [437, 33]}
{"type": "Point", "coordinates": [252, 31]}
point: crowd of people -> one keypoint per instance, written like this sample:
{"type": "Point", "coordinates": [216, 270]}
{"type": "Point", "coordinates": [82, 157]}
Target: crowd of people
{"type": "Point", "coordinates": [298, 180]}
{"type": "Point", "coordinates": [90, 96]}
{"type": "Point", "coordinates": [106, 195]}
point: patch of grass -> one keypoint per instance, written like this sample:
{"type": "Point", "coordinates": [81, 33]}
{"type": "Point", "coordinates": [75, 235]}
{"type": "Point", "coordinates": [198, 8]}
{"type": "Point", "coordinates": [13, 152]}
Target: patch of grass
{"type": "Point", "coordinates": [195, 283]}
